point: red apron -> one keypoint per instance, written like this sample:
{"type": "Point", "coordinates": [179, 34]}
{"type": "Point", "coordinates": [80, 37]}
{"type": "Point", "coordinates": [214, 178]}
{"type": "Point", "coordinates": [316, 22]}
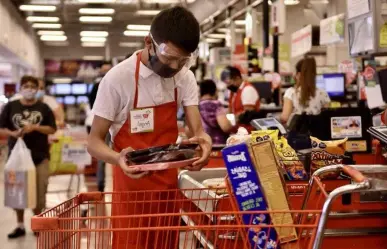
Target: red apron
{"type": "Point", "coordinates": [236, 106]}
{"type": "Point", "coordinates": [165, 132]}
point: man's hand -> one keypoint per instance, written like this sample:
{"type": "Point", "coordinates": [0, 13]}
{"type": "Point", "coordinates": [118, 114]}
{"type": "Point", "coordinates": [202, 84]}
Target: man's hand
{"type": "Point", "coordinates": [28, 128]}
{"type": "Point", "coordinates": [205, 143]}
{"type": "Point", "coordinates": [131, 171]}
{"type": "Point", "coordinates": [16, 134]}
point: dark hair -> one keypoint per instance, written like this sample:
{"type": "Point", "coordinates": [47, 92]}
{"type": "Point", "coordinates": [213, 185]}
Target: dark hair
{"type": "Point", "coordinates": [27, 78]}
{"type": "Point", "coordinates": [307, 83]}
{"type": "Point", "coordinates": [178, 26]}
{"type": "Point", "coordinates": [231, 73]}
{"type": "Point", "coordinates": [207, 87]}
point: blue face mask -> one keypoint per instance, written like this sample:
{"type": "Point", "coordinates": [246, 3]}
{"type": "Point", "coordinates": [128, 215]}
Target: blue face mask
{"type": "Point", "coordinates": [39, 94]}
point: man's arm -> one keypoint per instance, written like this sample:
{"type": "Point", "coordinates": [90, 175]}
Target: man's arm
{"type": "Point", "coordinates": [199, 136]}
{"type": "Point", "coordinates": [59, 115]}
{"type": "Point", "coordinates": [249, 99]}
{"type": "Point", "coordinates": [4, 124]}
{"type": "Point", "coordinates": [97, 147]}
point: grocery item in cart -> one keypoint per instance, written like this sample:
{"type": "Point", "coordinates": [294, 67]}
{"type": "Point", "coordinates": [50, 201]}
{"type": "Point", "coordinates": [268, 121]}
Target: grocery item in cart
{"type": "Point", "coordinates": [274, 187]}
{"type": "Point", "coordinates": [289, 160]}
{"type": "Point", "coordinates": [241, 136]}
{"type": "Point", "coordinates": [325, 153]}
{"type": "Point", "coordinates": [163, 157]}
{"type": "Point", "coordinates": [249, 194]}
{"type": "Point", "coordinates": [218, 184]}
{"type": "Point", "coordinates": [264, 135]}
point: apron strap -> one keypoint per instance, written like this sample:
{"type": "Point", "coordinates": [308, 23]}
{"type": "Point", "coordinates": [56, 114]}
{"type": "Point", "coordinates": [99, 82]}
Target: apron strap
{"type": "Point", "coordinates": [137, 74]}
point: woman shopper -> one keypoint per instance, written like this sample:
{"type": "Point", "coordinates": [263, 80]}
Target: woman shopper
{"type": "Point", "coordinates": [34, 121]}
{"type": "Point", "coordinates": [213, 114]}
{"type": "Point", "coordinates": [304, 97]}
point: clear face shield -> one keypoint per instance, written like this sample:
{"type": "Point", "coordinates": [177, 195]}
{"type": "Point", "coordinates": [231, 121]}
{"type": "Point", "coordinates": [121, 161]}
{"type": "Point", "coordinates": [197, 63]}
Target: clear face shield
{"type": "Point", "coordinates": [169, 56]}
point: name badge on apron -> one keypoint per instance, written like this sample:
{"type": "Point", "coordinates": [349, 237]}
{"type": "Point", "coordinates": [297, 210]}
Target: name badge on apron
{"type": "Point", "coordinates": [142, 120]}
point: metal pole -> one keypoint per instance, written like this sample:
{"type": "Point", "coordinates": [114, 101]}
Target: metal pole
{"type": "Point", "coordinates": [265, 23]}
{"type": "Point", "coordinates": [276, 52]}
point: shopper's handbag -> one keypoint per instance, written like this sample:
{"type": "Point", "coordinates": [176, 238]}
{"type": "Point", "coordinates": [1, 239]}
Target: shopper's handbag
{"type": "Point", "coordinates": [20, 178]}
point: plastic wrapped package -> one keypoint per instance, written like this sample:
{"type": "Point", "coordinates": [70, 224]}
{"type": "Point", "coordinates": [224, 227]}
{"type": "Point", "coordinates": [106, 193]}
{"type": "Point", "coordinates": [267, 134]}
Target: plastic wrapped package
{"type": "Point", "coordinates": [163, 157]}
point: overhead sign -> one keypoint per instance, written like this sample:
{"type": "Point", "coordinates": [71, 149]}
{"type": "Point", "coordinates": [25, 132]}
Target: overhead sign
{"type": "Point", "coordinates": [357, 8]}
{"type": "Point", "coordinates": [332, 30]}
{"type": "Point", "coordinates": [278, 16]}
{"type": "Point", "coordinates": [302, 41]}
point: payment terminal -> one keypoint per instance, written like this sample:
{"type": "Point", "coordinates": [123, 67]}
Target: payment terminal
{"type": "Point", "coordinates": [268, 124]}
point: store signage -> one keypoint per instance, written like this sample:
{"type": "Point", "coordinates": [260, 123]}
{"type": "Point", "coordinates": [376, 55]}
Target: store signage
{"type": "Point", "coordinates": [332, 30]}
{"type": "Point", "coordinates": [278, 17]}
{"type": "Point", "coordinates": [302, 41]}
{"type": "Point", "coordinates": [76, 153]}
{"type": "Point", "coordinates": [357, 8]}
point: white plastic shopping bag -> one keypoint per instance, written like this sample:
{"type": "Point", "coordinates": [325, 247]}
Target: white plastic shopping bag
{"type": "Point", "coordinates": [20, 178]}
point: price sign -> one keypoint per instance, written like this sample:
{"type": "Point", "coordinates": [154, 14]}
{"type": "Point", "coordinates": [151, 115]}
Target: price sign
{"type": "Point", "coordinates": [75, 153]}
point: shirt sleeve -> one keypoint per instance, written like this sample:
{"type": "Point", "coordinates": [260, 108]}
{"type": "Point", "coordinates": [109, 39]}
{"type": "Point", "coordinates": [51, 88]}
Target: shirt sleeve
{"type": "Point", "coordinates": [107, 102]}
{"type": "Point", "coordinates": [190, 90]}
{"type": "Point", "coordinates": [289, 93]}
{"type": "Point", "coordinates": [249, 96]}
{"type": "Point", "coordinates": [4, 116]}
{"type": "Point", "coordinates": [220, 110]}
{"type": "Point", "coordinates": [50, 118]}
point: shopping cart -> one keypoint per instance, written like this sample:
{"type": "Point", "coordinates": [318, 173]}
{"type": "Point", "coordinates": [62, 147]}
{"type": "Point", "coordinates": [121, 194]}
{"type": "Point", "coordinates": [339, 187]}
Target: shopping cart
{"type": "Point", "coordinates": [195, 218]}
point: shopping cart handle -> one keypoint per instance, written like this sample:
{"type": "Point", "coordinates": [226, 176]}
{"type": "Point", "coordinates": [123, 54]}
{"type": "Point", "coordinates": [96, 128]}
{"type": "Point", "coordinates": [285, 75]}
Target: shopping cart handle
{"type": "Point", "coordinates": [355, 175]}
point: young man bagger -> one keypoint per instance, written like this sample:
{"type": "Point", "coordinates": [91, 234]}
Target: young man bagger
{"type": "Point", "coordinates": [152, 83]}
{"type": "Point", "coordinates": [34, 121]}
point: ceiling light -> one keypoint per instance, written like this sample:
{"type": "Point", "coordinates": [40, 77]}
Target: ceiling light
{"type": "Point", "coordinates": [42, 19]}
{"type": "Point", "coordinates": [53, 38]}
{"type": "Point", "coordinates": [96, 19]}
{"type": "Point", "coordinates": [94, 33]}
{"type": "Point", "coordinates": [96, 11]}
{"type": "Point", "coordinates": [240, 22]}
{"type": "Point", "coordinates": [212, 40]}
{"type": "Point", "coordinates": [51, 32]}
{"type": "Point", "coordinates": [96, 1]}
{"type": "Point", "coordinates": [38, 8]}
{"type": "Point", "coordinates": [57, 43]}
{"type": "Point", "coordinates": [218, 36]}
{"type": "Point", "coordinates": [93, 44]}
{"type": "Point", "coordinates": [224, 30]}
{"type": "Point", "coordinates": [61, 80]}
{"type": "Point", "coordinates": [93, 58]}
{"type": "Point", "coordinates": [131, 44]}
{"type": "Point", "coordinates": [138, 27]}
{"type": "Point", "coordinates": [288, 2]}
{"type": "Point", "coordinates": [46, 25]}
{"type": "Point", "coordinates": [93, 39]}
{"type": "Point", "coordinates": [136, 33]}
{"type": "Point", "coordinates": [147, 12]}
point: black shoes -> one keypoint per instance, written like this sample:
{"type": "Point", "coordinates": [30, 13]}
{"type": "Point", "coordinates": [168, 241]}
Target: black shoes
{"type": "Point", "coordinates": [18, 232]}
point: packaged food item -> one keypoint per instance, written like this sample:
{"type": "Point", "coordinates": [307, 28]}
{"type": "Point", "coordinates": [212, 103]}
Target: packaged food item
{"type": "Point", "coordinates": [257, 186]}
{"type": "Point", "coordinates": [325, 153]}
{"type": "Point", "coordinates": [163, 157]}
{"type": "Point", "coordinates": [218, 184]}
{"type": "Point", "coordinates": [264, 135]}
{"type": "Point", "coordinates": [241, 136]}
{"type": "Point", "coordinates": [289, 160]}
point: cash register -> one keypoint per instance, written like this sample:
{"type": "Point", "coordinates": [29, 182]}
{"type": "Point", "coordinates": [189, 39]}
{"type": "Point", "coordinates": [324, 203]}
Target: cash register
{"type": "Point", "coordinates": [268, 124]}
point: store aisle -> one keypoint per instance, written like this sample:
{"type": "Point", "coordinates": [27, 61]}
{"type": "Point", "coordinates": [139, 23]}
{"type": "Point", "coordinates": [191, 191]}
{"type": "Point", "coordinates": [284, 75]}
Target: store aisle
{"type": "Point", "coordinates": [7, 221]}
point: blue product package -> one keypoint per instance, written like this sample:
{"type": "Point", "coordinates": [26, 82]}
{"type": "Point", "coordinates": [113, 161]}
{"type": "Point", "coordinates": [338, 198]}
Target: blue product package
{"type": "Point", "coordinates": [249, 195]}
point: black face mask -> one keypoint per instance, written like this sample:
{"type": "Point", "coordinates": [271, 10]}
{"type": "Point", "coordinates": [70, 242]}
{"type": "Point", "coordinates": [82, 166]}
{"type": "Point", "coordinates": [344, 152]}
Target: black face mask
{"type": "Point", "coordinates": [233, 88]}
{"type": "Point", "coordinates": [160, 68]}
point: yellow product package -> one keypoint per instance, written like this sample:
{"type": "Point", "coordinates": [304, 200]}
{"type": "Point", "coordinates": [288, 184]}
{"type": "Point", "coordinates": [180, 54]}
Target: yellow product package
{"type": "Point", "coordinates": [325, 153]}
{"type": "Point", "coordinates": [289, 160]}
{"type": "Point", "coordinates": [264, 135]}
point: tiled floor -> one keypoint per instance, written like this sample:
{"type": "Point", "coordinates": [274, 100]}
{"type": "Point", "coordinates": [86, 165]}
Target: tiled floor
{"type": "Point", "coordinates": [8, 219]}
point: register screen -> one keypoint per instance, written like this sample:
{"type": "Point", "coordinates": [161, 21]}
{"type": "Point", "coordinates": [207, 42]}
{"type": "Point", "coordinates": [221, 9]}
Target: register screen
{"type": "Point", "coordinates": [334, 84]}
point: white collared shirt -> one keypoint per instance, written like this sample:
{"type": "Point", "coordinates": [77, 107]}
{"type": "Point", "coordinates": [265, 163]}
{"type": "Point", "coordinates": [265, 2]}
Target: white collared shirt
{"type": "Point", "coordinates": [115, 97]}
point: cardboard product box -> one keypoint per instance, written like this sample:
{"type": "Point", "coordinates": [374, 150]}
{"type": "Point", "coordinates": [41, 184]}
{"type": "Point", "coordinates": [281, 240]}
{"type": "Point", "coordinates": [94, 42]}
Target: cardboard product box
{"type": "Point", "coordinates": [20, 189]}
{"type": "Point", "coordinates": [274, 188]}
{"type": "Point", "coordinates": [249, 195]}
